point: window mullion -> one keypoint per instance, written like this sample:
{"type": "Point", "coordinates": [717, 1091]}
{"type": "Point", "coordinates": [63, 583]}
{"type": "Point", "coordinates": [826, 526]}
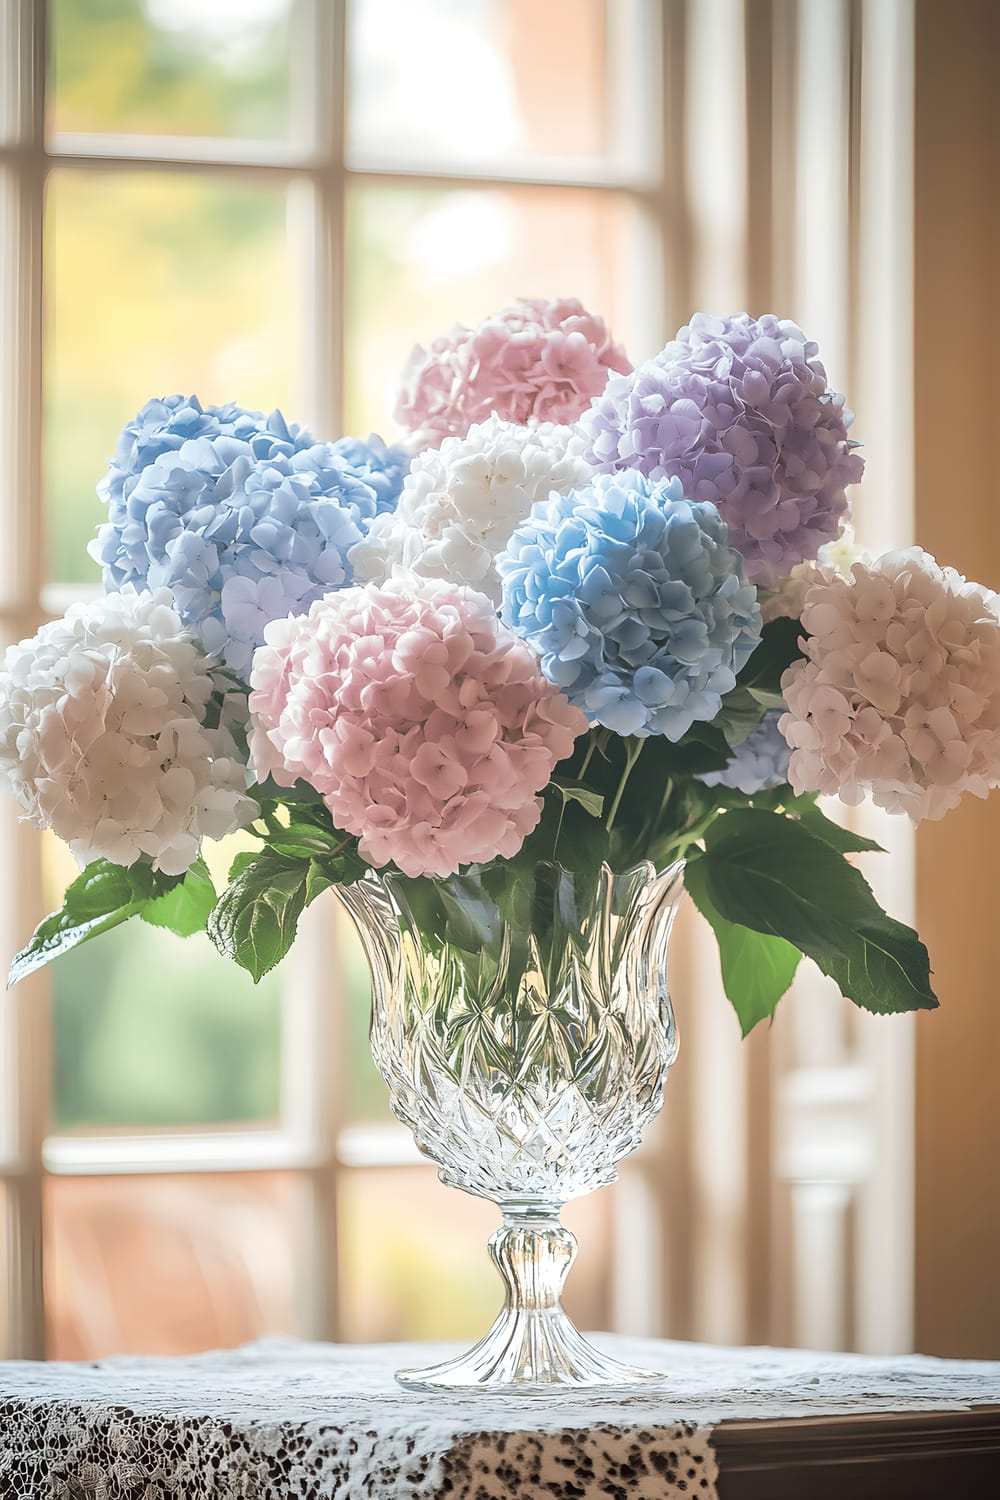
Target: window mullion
{"type": "Point", "coordinates": [313, 1045]}
{"type": "Point", "coordinates": [25, 1046]}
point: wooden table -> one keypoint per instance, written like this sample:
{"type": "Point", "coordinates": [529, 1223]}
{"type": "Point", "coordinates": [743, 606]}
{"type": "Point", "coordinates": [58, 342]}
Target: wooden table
{"type": "Point", "coordinates": [925, 1456]}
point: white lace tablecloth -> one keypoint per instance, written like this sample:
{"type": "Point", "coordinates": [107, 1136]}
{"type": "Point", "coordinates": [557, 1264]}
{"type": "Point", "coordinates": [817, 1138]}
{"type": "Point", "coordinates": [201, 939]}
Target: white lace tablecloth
{"type": "Point", "coordinates": [279, 1419]}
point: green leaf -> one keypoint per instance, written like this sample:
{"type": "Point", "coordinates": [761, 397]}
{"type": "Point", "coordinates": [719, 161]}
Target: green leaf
{"type": "Point", "coordinates": [779, 648]}
{"type": "Point", "coordinates": [304, 840]}
{"type": "Point", "coordinates": [770, 873]}
{"type": "Point", "coordinates": [255, 919]}
{"type": "Point", "coordinates": [472, 918]}
{"type": "Point", "coordinates": [342, 868]}
{"type": "Point", "coordinates": [242, 862]}
{"type": "Point", "coordinates": [757, 968]}
{"type": "Point", "coordinates": [575, 791]}
{"type": "Point", "coordinates": [184, 908]}
{"type": "Point", "coordinates": [844, 840]}
{"type": "Point", "coordinates": [317, 881]}
{"type": "Point", "coordinates": [567, 835]}
{"type": "Point", "coordinates": [741, 712]}
{"type": "Point", "coordinates": [102, 897]}
{"type": "Point", "coordinates": [703, 748]}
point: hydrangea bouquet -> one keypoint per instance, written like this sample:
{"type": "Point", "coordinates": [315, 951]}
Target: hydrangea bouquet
{"type": "Point", "coordinates": [584, 613]}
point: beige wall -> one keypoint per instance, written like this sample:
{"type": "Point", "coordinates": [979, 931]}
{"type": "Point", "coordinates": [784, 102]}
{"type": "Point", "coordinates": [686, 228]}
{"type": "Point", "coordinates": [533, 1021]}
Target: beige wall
{"type": "Point", "coordinates": [957, 291]}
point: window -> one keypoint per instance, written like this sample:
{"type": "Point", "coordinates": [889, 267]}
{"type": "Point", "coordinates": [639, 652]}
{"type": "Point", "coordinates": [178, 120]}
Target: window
{"type": "Point", "coordinates": [262, 202]}
{"type": "Point", "coordinates": [271, 201]}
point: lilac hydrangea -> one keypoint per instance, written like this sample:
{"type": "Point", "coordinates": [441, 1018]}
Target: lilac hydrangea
{"type": "Point", "coordinates": [740, 411]}
{"type": "Point", "coordinates": [759, 763]}
{"type": "Point", "coordinates": [242, 537]}
{"type": "Point", "coordinates": [163, 426]}
{"type": "Point", "coordinates": [634, 601]}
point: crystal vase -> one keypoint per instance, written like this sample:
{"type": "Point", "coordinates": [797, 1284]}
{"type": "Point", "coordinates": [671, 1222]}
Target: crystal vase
{"type": "Point", "coordinates": [522, 1023]}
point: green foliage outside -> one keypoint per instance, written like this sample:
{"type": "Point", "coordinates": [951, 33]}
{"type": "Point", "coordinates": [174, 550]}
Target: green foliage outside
{"type": "Point", "coordinates": [114, 68]}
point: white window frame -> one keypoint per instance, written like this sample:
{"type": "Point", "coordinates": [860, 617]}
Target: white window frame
{"type": "Point", "coordinates": [312, 1138]}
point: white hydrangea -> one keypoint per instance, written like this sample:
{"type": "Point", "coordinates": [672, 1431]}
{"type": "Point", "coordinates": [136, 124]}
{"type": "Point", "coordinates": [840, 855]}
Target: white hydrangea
{"type": "Point", "coordinates": [462, 502]}
{"type": "Point", "coordinates": [103, 740]}
{"type": "Point", "coordinates": [786, 599]}
{"type": "Point", "coordinates": [900, 693]}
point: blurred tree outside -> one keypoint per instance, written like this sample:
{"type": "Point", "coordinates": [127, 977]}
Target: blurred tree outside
{"type": "Point", "coordinates": [171, 67]}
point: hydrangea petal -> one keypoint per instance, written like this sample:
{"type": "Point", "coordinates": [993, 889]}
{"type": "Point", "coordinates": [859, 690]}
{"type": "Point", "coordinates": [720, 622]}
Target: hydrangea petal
{"type": "Point", "coordinates": [622, 583]}
{"type": "Point", "coordinates": [423, 722]}
{"type": "Point", "coordinates": [103, 739]}
{"type": "Point", "coordinates": [461, 502]}
{"type": "Point", "coordinates": [899, 694]}
{"type": "Point", "coordinates": [534, 361]}
{"type": "Point", "coordinates": [738, 409]}
{"type": "Point", "coordinates": [241, 522]}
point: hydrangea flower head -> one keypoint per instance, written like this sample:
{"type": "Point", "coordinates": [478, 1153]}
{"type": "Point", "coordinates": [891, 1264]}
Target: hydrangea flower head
{"type": "Point", "coordinates": [533, 361]}
{"type": "Point", "coordinates": [759, 763]}
{"type": "Point", "coordinates": [163, 426]}
{"type": "Point", "coordinates": [103, 736]}
{"type": "Point", "coordinates": [899, 694]}
{"type": "Point", "coordinates": [786, 599]}
{"type": "Point", "coordinates": [382, 466]}
{"type": "Point", "coordinates": [461, 502]}
{"type": "Point", "coordinates": [241, 536]}
{"type": "Point", "coordinates": [634, 601]}
{"type": "Point", "coordinates": [425, 725]}
{"type": "Point", "coordinates": [740, 411]}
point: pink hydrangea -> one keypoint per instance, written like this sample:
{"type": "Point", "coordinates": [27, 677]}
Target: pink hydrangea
{"type": "Point", "coordinates": [786, 599]}
{"type": "Point", "coordinates": [423, 722]}
{"type": "Point", "coordinates": [534, 361]}
{"type": "Point", "coordinates": [900, 693]}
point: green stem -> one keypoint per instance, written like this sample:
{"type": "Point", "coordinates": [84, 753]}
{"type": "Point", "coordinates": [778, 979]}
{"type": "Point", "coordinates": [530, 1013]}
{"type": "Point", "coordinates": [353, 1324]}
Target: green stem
{"type": "Point", "coordinates": [580, 775]}
{"type": "Point", "coordinates": [691, 835]}
{"type": "Point", "coordinates": [632, 753]}
{"type": "Point", "coordinates": [555, 841]}
{"type": "Point", "coordinates": [668, 792]}
{"type": "Point", "coordinates": [589, 755]}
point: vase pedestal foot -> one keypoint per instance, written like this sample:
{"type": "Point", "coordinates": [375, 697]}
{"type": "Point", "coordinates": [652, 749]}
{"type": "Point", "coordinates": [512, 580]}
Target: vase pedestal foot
{"type": "Point", "coordinates": [532, 1345]}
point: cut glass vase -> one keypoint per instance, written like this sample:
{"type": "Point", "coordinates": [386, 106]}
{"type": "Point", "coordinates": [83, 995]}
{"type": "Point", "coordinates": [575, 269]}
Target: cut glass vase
{"type": "Point", "coordinates": [522, 1023]}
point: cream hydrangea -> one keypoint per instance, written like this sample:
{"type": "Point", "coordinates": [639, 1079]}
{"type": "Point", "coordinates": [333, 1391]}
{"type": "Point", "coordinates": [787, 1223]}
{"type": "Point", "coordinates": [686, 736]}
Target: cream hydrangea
{"type": "Point", "coordinates": [787, 598]}
{"type": "Point", "coordinates": [462, 502]}
{"type": "Point", "coordinates": [103, 736]}
{"type": "Point", "coordinates": [899, 694]}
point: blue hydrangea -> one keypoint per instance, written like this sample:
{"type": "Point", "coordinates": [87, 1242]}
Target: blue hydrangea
{"type": "Point", "coordinates": [163, 426]}
{"type": "Point", "coordinates": [634, 601]}
{"type": "Point", "coordinates": [382, 466]}
{"type": "Point", "coordinates": [244, 531]}
{"type": "Point", "coordinates": [759, 763]}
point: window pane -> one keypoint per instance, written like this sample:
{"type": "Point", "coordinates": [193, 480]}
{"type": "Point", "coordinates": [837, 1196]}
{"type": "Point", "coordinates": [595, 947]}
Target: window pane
{"type": "Point", "coordinates": [152, 1029]}
{"type": "Point", "coordinates": [156, 283]}
{"type": "Point", "coordinates": [478, 80]}
{"type": "Point", "coordinates": [171, 67]}
{"type": "Point", "coordinates": [422, 259]}
{"type": "Point", "coordinates": [414, 1262]}
{"type": "Point", "coordinates": [168, 1265]}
